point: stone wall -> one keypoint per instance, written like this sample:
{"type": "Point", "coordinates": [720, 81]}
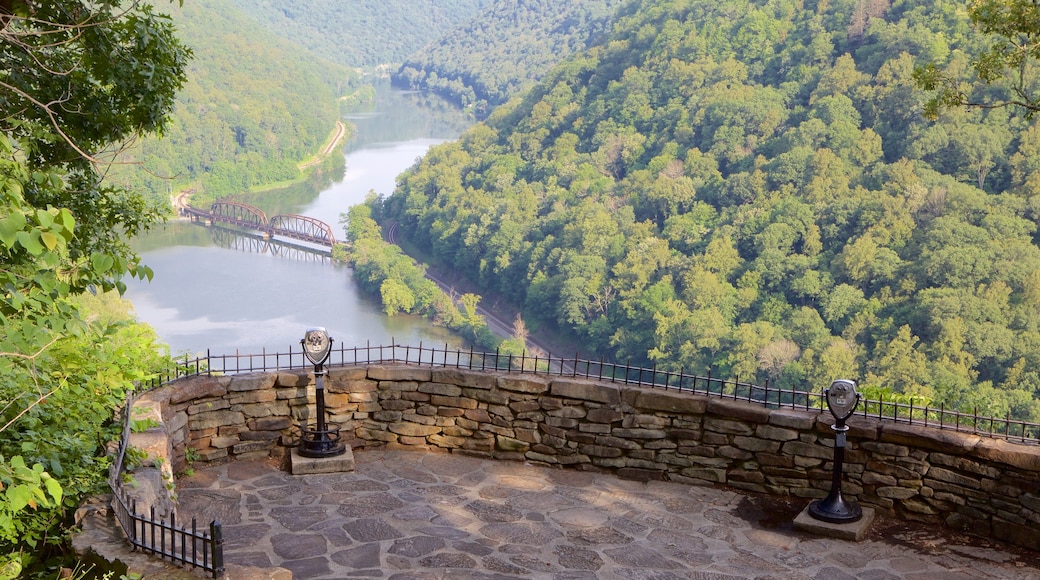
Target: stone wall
{"type": "Point", "coordinates": [986, 486]}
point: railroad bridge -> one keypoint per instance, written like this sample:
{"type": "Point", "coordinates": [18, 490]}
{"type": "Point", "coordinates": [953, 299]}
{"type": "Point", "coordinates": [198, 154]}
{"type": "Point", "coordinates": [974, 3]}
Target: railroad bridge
{"type": "Point", "coordinates": [294, 226]}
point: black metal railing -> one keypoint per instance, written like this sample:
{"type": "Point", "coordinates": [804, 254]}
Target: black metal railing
{"type": "Point", "coordinates": [904, 411]}
{"type": "Point", "coordinates": [192, 547]}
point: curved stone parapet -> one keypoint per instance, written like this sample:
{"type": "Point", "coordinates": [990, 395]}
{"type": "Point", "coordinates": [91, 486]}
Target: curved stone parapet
{"type": "Point", "coordinates": [984, 485]}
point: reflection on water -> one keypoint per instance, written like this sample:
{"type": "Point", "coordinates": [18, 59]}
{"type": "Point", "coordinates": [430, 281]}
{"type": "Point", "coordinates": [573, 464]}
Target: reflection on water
{"type": "Point", "coordinates": [207, 294]}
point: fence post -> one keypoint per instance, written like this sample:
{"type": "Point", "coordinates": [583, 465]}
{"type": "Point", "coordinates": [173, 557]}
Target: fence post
{"type": "Point", "coordinates": [217, 537]}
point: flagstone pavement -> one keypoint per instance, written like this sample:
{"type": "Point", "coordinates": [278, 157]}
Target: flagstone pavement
{"type": "Point", "coordinates": [413, 515]}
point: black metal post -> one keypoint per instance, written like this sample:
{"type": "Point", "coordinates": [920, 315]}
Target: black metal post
{"type": "Point", "coordinates": [834, 508]}
{"type": "Point", "coordinates": [322, 441]}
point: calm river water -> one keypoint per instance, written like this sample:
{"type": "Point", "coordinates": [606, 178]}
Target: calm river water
{"type": "Point", "coordinates": [206, 295]}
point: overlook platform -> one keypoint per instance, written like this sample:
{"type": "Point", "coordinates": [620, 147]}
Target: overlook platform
{"type": "Point", "coordinates": [414, 515]}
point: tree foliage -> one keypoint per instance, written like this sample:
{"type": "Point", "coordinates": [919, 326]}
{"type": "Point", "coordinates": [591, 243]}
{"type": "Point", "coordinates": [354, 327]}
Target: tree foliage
{"type": "Point", "coordinates": [253, 107]}
{"type": "Point", "coordinates": [752, 188]}
{"type": "Point", "coordinates": [1006, 70]}
{"type": "Point", "coordinates": [505, 50]}
{"type": "Point", "coordinates": [78, 80]}
{"type": "Point", "coordinates": [361, 33]}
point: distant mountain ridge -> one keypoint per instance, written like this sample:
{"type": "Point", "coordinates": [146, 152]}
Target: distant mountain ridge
{"type": "Point", "coordinates": [506, 49]}
{"type": "Point", "coordinates": [361, 33]}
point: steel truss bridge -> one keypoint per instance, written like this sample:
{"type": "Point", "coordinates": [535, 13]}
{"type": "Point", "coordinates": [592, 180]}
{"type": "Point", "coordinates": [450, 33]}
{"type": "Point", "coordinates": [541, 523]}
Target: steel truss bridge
{"type": "Point", "coordinates": [293, 226]}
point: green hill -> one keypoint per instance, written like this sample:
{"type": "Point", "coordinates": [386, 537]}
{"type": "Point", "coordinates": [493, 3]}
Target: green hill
{"type": "Point", "coordinates": [750, 187]}
{"type": "Point", "coordinates": [361, 33]}
{"type": "Point", "coordinates": [253, 107]}
{"type": "Point", "coordinates": [505, 50]}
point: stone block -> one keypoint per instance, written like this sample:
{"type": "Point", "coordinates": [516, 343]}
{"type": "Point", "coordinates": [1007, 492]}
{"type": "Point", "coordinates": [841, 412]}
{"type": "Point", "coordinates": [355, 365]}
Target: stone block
{"type": "Point", "coordinates": [504, 443]}
{"type": "Point", "coordinates": [948, 476]}
{"type": "Point", "coordinates": [530, 384]}
{"type": "Point", "coordinates": [755, 444]}
{"type": "Point", "coordinates": [256, 410]}
{"type": "Point", "coordinates": [464, 378]}
{"type": "Point", "coordinates": [600, 451]}
{"type": "Point", "coordinates": [585, 390]}
{"type": "Point", "coordinates": [448, 401]}
{"type": "Point", "coordinates": [852, 531]}
{"type": "Point", "coordinates": [347, 373]}
{"type": "Point", "coordinates": [776, 433]}
{"type": "Point", "coordinates": [293, 378]}
{"type": "Point", "coordinates": [300, 465]}
{"type": "Point", "coordinates": [440, 389]}
{"type": "Point", "coordinates": [206, 406]}
{"type": "Point", "coordinates": [808, 450]}
{"type": "Point", "coordinates": [706, 474]}
{"type": "Point", "coordinates": [603, 415]}
{"type": "Point", "coordinates": [223, 442]}
{"type": "Point", "coordinates": [195, 388]}
{"type": "Point", "coordinates": [399, 373]}
{"type": "Point", "coordinates": [446, 441]}
{"type": "Point", "coordinates": [793, 418]}
{"type": "Point", "coordinates": [895, 492]}
{"type": "Point", "coordinates": [639, 433]}
{"type": "Point", "coordinates": [740, 410]}
{"type": "Point", "coordinates": [251, 382]}
{"type": "Point", "coordinates": [641, 420]}
{"type": "Point", "coordinates": [261, 396]}
{"type": "Point", "coordinates": [550, 403]}
{"type": "Point", "coordinates": [410, 429]}
{"type": "Point", "coordinates": [215, 419]}
{"type": "Point", "coordinates": [541, 457]}
{"type": "Point", "coordinates": [678, 402]}
{"type": "Point", "coordinates": [727, 426]}
{"type": "Point", "coordinates": [569, 411]}
{"type": "Point", "coordinates": [963, 464]}
{"type": "Point", "coordinates": [250, 446]}
{"type": "Point", "coordinates": [1025, 457]}
{"type": "Point", "coordinates": [351, 386]}
{"type": "Point", "coordinates": [525, 406]}
{"type": "Point", "coordinates": [929, 438]}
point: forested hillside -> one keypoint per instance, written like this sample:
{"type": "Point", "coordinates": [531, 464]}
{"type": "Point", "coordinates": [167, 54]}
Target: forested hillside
{"type": "Point", "coordinates": [504, 51]}
{"type": "Point", "coordinates": [361, 33]}
{"type": "Point", "coordinates": [751, 187]}
{"type": "Point", "coordinates": [253, 106]}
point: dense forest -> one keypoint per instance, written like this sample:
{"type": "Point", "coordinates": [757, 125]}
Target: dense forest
{"type": "Point", "coordinates": [751, 187]}
{"type": "Point", "coordinates": [505, 50]}
{"type": "Point", "coordinates": [361, 33]}
{"type": "Point", "coordinates": [252, 108]}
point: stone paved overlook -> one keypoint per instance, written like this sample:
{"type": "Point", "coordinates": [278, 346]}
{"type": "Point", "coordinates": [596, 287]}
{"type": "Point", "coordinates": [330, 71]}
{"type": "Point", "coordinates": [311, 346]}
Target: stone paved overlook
{"type": "Point", "coordinates": [986, 486]}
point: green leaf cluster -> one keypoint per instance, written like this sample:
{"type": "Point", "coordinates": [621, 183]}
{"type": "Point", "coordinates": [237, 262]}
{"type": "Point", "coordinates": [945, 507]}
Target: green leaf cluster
{"type": "Point", "coordinates": [505, 50]}
{"type": "Point", "coordinates": [751, 187]}
{"type": "Point", "coordinates": [384, 270]}
{"type": "Point", "coordinates": [77, 79]}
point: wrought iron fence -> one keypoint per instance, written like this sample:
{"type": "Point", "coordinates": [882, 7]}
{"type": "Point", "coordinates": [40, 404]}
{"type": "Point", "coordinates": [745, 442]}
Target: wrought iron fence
{"type": "Point", "coordinates": [577, 367]}
{"type": "Point", "coordinates": [193, 547]}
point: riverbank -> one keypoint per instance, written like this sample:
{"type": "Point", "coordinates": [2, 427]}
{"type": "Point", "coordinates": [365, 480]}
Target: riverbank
{"type": "Point", "coordinates": [499, 312]}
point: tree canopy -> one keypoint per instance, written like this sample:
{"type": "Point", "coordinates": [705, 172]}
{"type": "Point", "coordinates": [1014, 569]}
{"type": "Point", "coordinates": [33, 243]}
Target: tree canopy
{"type": "Point", "coordinates": [78, 80]}
{"type": "Point", "coordinates": [751, 187]}
{"type": "Point", "coordinates": [1005, 70]}
{"type": "Point", "coordinates": [497, 55]}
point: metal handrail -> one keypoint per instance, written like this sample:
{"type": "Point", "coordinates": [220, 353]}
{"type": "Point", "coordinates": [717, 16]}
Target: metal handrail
{"type": "Point", "coordinates": [198, 549]}
{"type": "Point", "coordinates": [900, 412]}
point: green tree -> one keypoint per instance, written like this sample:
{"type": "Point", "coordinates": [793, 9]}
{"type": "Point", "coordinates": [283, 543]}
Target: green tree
{"type": "Point", "coordinates": [1013, 27]}
{"type": "Point", "coordinates": [77, 80]}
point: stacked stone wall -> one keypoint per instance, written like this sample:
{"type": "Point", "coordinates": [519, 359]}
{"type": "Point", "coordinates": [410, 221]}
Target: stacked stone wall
{"type": "Point", "coordinates": [983, 485]}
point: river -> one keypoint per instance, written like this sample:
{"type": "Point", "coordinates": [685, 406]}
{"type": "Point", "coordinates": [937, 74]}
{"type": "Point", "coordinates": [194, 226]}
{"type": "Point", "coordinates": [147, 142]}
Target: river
{"type": "Point", "coordinates": [206, 295]}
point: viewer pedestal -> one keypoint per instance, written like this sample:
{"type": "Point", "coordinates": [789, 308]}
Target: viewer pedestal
{"type": "Point", "coordinates": [854, 531]}
{"type": "Point", "coordinates": [300, 465]}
